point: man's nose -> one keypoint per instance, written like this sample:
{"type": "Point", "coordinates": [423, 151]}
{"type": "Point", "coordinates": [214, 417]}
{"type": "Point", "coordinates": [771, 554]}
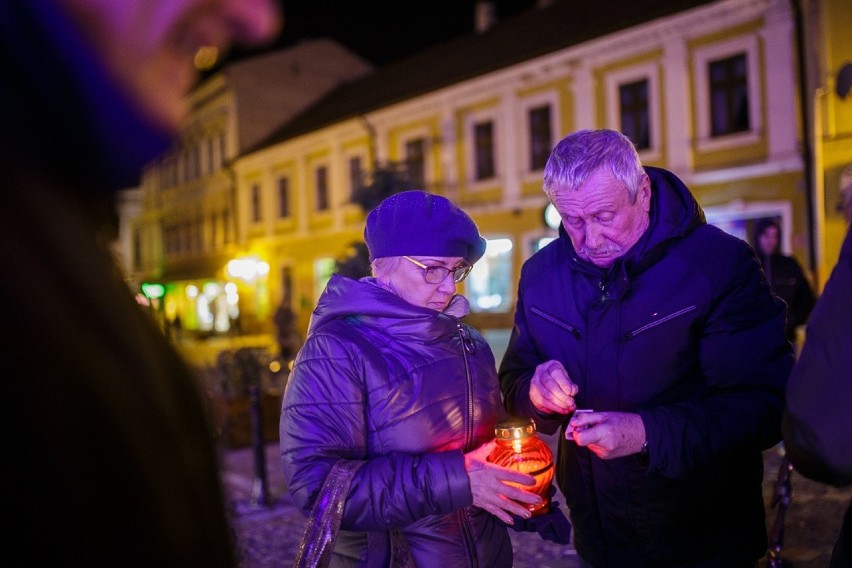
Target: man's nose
{"type": "Point", "coordinates": [592, 236]}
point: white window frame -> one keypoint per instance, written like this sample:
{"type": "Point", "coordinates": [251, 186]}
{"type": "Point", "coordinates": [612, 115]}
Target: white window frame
{"type": "Point", "coordinates": [255, 222]}
{"type": "Point", "coordinates": [701, 58]}
{"type": "Point", "coordinates": [419, 133]}
{"type": "Point", "coordinates": [649, 71]}
{"type": "Point", "coordinates": [365, 168]}
{"type": "Point", "coordinates": [525, 105]}
{"type": "Point", "coordinates": [470, 120]}
{"type": "Point", "coordinates": [315, 166]}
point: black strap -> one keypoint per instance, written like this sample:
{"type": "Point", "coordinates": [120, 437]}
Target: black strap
{"type": "Point", "coordinates": [782, 496]}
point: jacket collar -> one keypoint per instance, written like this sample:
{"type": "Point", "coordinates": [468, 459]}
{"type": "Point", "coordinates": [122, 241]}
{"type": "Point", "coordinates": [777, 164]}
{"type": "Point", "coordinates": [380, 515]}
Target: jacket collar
{"type": "Point", "coordinates": [371, 304]}
{"type": "Point", "coordinates": [674, 213]}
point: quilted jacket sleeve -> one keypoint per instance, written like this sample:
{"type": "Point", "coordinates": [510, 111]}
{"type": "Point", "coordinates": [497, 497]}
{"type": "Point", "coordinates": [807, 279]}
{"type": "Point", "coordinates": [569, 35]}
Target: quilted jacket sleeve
{"type": "Point", "coordinates": [817, 423]}
{"type": "Point", "coordinates": [323, 420]}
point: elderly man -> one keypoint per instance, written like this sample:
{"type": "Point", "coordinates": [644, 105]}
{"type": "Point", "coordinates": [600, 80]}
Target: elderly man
{"type": "Point", "coordinates": [663, 331]}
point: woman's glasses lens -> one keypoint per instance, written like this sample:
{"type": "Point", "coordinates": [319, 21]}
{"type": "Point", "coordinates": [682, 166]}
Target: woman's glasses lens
{"type": "Point", "coordinates": [461, 273]}
{"type": "Point", "coordinates": [437, 274]}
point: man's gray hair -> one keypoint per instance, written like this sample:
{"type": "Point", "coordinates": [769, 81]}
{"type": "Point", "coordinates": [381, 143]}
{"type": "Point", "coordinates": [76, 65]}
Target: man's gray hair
{"type": "Point", "coordinates": [579, 154]}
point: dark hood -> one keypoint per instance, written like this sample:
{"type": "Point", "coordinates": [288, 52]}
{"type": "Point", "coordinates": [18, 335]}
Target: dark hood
{"type": "Point", "coordinates": [674, 213]}
{"type": "Point", "coordinates": [372, 305]}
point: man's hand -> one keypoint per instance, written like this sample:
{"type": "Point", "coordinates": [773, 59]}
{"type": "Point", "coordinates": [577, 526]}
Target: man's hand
{"type": "Point", "coordinates": [607, 434]}
{"type": "Point", "coordinates": [492, 487]}
{"type": "Point", "coordinates": [552, 390]}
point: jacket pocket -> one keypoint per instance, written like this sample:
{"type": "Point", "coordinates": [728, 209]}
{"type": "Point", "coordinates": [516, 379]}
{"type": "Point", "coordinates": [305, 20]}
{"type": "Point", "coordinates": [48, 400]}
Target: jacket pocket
{"type": "Point", "coordinates": [639, 330]}
{"type": "Point", "coordinates": [567, 327]}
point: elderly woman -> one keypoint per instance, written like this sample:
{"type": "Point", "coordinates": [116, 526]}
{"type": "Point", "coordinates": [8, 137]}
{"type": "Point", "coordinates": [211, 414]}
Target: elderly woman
{"type": "Point", "coordinates": [389, 412]}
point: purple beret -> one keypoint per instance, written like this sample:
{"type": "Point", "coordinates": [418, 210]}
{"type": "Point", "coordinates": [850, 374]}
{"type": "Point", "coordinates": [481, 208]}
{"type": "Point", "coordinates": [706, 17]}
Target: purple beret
{"type": "Point", "coordinates": [417, 223]}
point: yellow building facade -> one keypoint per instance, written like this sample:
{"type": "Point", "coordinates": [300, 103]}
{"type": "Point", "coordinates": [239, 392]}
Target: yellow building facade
{"type": "Point", "coordinates": [713, 93]}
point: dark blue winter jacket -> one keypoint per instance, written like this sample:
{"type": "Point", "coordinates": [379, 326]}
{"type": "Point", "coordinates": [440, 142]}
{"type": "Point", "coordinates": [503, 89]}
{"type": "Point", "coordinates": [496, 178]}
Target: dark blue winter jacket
{"type": "Point", "coordinates": [407, 390]}
{"type": "Point", "coordinates": [817, 422]}
{"type": "Point", "coordinates": [684, 331]}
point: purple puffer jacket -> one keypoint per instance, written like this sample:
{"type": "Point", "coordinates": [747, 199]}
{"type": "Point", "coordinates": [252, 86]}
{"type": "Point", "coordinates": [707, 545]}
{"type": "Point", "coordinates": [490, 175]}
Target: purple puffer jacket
{"type": "Point", "coordinates": [408, 390]}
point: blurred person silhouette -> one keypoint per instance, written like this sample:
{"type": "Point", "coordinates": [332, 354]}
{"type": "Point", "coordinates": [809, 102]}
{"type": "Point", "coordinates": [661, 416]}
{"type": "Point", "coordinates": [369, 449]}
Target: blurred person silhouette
{"type": "Point", "coordinates": [817, 423]}
{"type": "Point", "coordinates": [785, 275]}
{"type": "Point", "coordinates": [110, 458]}
{"type": "Point", "coordinates": [662, 330]}
{"type": "Point", "coordinates": [389, 413]}
{"type": "Point", "coordinates": [286, 334]}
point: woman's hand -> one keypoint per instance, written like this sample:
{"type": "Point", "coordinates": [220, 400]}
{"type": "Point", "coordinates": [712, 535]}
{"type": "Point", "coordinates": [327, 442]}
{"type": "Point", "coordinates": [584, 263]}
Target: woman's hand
{"type": "Point", "coordinates": [492, 487]}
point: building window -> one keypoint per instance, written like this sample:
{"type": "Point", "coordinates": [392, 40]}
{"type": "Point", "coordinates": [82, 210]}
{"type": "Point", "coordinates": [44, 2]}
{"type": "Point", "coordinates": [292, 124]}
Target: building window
{"type": "Point", "coordinates": [283, 197]}
{"type": "Point", "coordinates": [415, 163]}
{"type": "Point", "coordinates": [255, 203]}
{"type": "Point", "coordinates": [633, 110]}
{"type": "Point", "coordinates": [729, 104]}
{"type": "Point", "coordinates": [541, 136]}
{"type": "Point", "coordinates": [321, 188]}
{"type": "Point", "coordinates": [490, 286]}
{"type": "Point", "coordinates": [356, 175]}
{"type": "Point", "coordinates": [483, 141]}
{"type": "Point", "coordinates": [632, 106]}
{"type": "Point", "coordinates": [727, 94]}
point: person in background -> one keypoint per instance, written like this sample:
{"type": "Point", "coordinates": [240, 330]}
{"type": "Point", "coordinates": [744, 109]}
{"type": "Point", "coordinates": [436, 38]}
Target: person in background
{"type": "Point", "coordinates": [785, 275]}
{"type": "Point", "coordinates": [110, 459]}
{"type": "Point", "coordinates": [817, 423]}
{"type": "Point", "coordinates": [286, 334]}
{"type": "Point", "coordinates": [393, 397]}
{"type": "Point", "coordinates": [652, 340]}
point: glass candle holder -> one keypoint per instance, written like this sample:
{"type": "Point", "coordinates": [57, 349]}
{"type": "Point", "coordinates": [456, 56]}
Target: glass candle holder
{"type": "Point", "coordinates": [520, 448]}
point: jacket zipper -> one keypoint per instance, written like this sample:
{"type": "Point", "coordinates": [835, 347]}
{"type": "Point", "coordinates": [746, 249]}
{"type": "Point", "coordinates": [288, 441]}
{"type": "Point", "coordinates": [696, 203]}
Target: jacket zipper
{"type": "Point", "coordinates": [468, 348]}
{"type": "Point", "coordinates": [646, 327]}
{"type": "Point", "coordinates": [570, 329]}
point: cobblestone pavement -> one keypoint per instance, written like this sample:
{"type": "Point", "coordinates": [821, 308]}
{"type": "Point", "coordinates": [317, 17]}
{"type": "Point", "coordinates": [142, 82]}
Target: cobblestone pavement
{"type": "Point", "coordinates": [268, 533]}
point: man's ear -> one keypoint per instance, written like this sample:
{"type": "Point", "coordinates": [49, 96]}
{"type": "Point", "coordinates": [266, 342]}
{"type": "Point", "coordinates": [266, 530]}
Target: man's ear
{"type": "Point", "coordinates": [644, 194]}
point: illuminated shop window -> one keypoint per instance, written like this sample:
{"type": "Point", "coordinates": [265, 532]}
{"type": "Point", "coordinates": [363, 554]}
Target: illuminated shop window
{"type": "Point", "coordinates": [323, 269]}
{"type": "Point", "coordinates": [490, 286]}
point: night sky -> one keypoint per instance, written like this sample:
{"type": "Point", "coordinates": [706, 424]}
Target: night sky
{"type": "Point", "coordinates": [383, 31]}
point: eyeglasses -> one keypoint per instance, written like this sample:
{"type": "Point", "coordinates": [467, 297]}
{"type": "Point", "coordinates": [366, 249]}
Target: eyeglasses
{"type": "Point", "coordinates": [437, 274]}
